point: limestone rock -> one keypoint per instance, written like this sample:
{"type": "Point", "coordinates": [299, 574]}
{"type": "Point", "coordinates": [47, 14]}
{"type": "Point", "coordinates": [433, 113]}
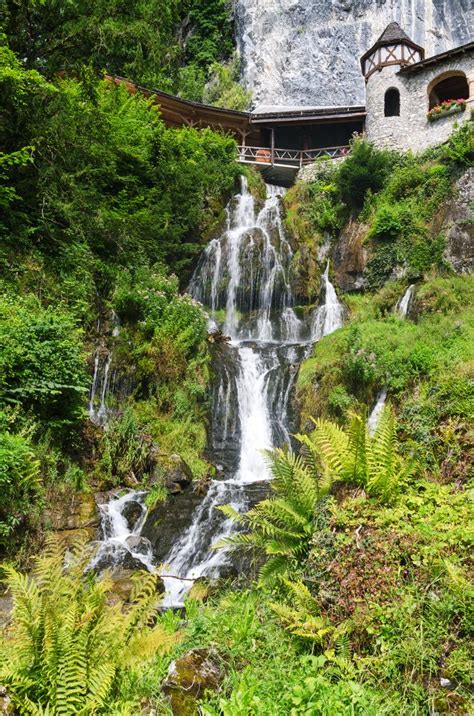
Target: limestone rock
{"type": "Point", "coordinates": [189, 677]}
{"type": "Point", "coordinates": [138, 544]}
{"type": "Point", "coordinates": [296, 52]}
{"type": "Point", "coordinates": [459, 226]}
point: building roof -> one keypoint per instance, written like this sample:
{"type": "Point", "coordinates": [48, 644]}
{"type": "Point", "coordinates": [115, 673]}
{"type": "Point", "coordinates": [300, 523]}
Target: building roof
{"type": "Point", "coordinates": [277, 115]}
{"type": "Point", "coordinates": [392, 35]}
{"type": "Point", "coordinates": [435, 59]}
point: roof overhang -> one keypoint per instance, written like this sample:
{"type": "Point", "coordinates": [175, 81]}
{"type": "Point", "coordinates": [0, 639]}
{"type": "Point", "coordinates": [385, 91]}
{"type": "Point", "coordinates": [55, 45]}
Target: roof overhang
{"type": "Point", "coordinates": [435, 59]}
{"type": "Point", "coordinates": [309, 116]}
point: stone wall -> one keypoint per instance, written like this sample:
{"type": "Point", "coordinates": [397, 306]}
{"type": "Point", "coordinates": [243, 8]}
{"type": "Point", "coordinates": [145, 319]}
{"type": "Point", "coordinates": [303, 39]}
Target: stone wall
{"type": "Point", "coordinates": [412, 130]}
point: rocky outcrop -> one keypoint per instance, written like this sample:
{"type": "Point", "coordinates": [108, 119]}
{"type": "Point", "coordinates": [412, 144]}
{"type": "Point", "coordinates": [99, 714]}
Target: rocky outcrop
{"type": "Point", "coordinates": [297, 52]}
{"type": "Point", "coordinates": [174, 471]}
{"type": "Point", "coordinates": [199, 670]}
{"type": "Point", "coordinates": [349, 257]}
{"type": "Point", "coordinates": [72, 512]}
{"type": "Point", "coordinates": [458, 226]}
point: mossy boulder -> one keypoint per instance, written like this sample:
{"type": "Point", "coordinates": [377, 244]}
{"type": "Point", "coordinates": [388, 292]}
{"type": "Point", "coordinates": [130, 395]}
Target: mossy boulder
{"type": "Point", "coordinates": [189, 677]}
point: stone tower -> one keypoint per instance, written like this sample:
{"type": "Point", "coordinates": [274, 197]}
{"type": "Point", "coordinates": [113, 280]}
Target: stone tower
{"type": "Point", "coordinates": [386, 93]}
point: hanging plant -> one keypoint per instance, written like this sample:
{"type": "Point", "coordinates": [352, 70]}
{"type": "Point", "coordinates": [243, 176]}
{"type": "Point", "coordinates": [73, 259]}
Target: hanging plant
{"type": "Point", "coordinates": [449, 106]}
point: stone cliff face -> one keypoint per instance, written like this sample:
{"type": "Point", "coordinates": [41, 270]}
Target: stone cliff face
{"type": "Point", "coordinates": [306, 52]}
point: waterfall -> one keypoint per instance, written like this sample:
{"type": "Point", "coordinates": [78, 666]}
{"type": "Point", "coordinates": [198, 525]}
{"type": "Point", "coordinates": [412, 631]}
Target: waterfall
{"type": "Point", "coordinates": [401, 309]}
{"type": "Point", "coordinates": [245, 273]}
{"type": "Point", "coordinates": [243, 280]}
{"type": "Point", "coordinates": [328, 317]}
{"type": "Point", "coordinates": [100, 385]}
{"type": "Point", "coordinates": [403, 305]}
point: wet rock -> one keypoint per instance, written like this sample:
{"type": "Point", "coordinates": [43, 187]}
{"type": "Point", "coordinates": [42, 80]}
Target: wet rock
{"type": "Point", "coordinates": [117, 558]}
{"type": "Point", "coordinates": [139, 544]}
{"type": "Point", "coordinates": [350, 257]}
{"type": "Point", "coordinates": [6, 706]}
{"type": "Point", "coordinates": [132, 512]}
{"type": "Point", "coordinates": [168, 520]}
{"type": "Point", "coordinates": [175, 472]}
{"type": "Point", "coordinates": [199, 670]}
{"type": "Point", "coordinates": [458, 226]}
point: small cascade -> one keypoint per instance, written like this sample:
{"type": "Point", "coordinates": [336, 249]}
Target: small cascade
{"type": "Point", "coordinates": [100, 386]}
{"type": "Point", "coordinates": [403, 306]}
{"type": "Point", "coordinates": [243, 281]}
{"type": "Point", "coordinates": [376, 411]}
{"type": "Point", "coordinates": [101, 378]}
{"type": "Point", "coordinates": [122, 519]}
{"type": "Point", "coordinates": [328, 317]}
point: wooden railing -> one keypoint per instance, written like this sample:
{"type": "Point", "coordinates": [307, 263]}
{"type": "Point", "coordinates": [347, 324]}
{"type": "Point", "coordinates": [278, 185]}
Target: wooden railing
{"type": "Point", "coordinates": [295, 158]}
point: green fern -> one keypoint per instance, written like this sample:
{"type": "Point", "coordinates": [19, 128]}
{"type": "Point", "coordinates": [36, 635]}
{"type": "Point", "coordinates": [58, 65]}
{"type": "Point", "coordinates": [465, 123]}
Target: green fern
{"type": "Point", "coordinates": [282, 526]}
{"type": "Point", "coordinates": [68, 648]}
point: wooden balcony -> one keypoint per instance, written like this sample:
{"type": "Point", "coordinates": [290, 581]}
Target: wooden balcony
{"type": "Point", "coordinates": [296, 158]}
{"type": "Point", "coordinates": [280, 166]}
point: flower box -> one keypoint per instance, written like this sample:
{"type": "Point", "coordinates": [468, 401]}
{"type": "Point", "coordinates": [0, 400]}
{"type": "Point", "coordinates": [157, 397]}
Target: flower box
{"type": "Point", "coordinates": [446, 108]}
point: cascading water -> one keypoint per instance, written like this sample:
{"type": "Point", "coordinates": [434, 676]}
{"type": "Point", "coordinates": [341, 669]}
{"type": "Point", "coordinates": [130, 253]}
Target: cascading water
{"type": "Point", "coordinates": [404, 304]}
{"type": "Point", "coordinates": [243, 280]}
{"type": "Point", "coordinates": [122, 519]}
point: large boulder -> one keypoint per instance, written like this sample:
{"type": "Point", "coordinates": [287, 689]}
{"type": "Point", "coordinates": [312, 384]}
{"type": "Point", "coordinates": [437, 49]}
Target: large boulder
{"type": "Point", "coordinates": [189, 677]}
{"type": "Point", "coordinates": [132, 512]}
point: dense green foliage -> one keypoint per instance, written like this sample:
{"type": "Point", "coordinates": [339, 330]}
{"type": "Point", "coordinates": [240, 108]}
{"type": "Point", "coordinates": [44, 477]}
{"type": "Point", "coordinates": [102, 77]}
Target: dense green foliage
{"type": "Point", "coordinates": [19, 483]}
{"type": "Point", "coordinates": [157, 43]}
{"type": "Point", "coordinates": [395, 205]}
{"type": "Point", "coordinates": [104, 203]}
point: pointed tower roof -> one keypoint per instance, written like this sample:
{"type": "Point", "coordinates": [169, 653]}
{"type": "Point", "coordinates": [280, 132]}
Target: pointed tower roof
{"type": "Point", "coordinates": [392, 35]}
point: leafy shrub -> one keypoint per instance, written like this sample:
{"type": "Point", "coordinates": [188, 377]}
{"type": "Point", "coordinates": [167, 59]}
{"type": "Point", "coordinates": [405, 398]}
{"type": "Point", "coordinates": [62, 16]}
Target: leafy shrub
{"type": "Point", "coordinates": [68, 650]}
{"type": "Point", "coordinates": [42, 364]}
{"type": "Point", "coordinates": [127, 452]}
{"type": "Point", "coordinates": [365, 169]}
{"type": "Point", "coordinates": [19, 484]}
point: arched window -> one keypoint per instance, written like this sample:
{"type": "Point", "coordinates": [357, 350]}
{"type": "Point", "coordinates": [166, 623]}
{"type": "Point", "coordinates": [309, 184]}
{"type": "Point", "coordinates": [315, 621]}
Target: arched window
{"type": "Point", "coordinates": [392, 103]}
{"type": "Point", "coordinates": [445, 87]}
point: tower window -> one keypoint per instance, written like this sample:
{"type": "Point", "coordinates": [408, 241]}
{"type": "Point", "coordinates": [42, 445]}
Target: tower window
{"type": "Point", "coordinates": [392, 103]}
